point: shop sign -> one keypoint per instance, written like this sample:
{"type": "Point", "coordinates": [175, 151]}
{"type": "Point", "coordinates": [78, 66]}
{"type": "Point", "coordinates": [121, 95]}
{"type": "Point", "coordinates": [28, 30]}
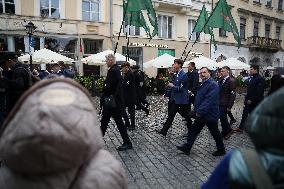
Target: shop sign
{"type": "Point", "coordinates": [148, 45]}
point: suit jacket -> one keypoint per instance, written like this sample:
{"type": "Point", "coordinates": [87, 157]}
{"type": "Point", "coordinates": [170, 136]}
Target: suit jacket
{"type": "Point", "coordinates": [113, 85]}
{"type": "Point", "coordinates": [129, 88]}
{"type": "Point", "coordinates": [179, 92]}
{"type": "Point", "coordinates": [255, 89]}
{"type": "Point", "coordinates": [206, 102]}
{"type": "Point", "coordinates": [227, 93]}
{"type": "Point", "coordinates": [193, 79]}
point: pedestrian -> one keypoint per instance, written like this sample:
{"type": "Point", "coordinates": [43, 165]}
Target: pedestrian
{"type": "Point", "coordinates": [142, 102]}
{"type": "Point", "coordinates": [264, 166]}
{"type": "Point", "coordinates": [52, 140]}
{"type": "Point", "coordinates": [129, 94]}
{"type": "Point", "coordinates": [277, 80]}
{"type": "Point", "coordinates": [113, 103]}
{"type": "Point", "coordinates": [193, 82]}
{"type": "Point", "coordinates": [66, 70]}
{"type": "Point", "coordinates": [255, 94]}
{"type": "Point", "coordinates": [178, 98]}
{"type": "Point", "coordinates": [18, 81]}
{"type": "Point", "coordinates": [206, 112]}
{"type": "Point", "coordinates": [227, 96]}
{"type": "Point", "coordinates": [56, 69]}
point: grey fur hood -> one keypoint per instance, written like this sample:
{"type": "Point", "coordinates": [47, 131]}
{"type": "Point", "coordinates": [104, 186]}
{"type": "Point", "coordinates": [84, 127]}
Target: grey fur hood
{"type": "Point", "coordinates": [52, 140]}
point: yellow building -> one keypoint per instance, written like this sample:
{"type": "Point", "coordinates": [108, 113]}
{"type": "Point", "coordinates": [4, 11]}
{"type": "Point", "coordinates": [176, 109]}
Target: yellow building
{"type": "Point", "coordinates": [261, 27]}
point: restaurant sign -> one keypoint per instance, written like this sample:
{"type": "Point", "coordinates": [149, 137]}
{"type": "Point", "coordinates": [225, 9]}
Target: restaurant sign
{"type": "Point", "coordinates": [148, 45]}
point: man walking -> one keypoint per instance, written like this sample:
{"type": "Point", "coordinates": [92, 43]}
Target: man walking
{"type": "Point", "coordinates": [113, 103]}
{"type": "Point", "coordinates": [193, 80]}
{"type": "Point", "coordinates": [227, 95]}
{"type": "Point", "coordinates": [129, 94]}
{"type": "Point", "coordinates": [206, 110]}
{"type": "Point", "coordinates": [179, 97]}
{"type": "Point", "coordinates": [255, 93]}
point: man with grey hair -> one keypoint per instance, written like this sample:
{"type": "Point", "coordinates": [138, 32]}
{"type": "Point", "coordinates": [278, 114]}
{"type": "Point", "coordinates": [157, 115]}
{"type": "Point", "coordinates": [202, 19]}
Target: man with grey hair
{"type": "Point", "coordinates": [113, 103]}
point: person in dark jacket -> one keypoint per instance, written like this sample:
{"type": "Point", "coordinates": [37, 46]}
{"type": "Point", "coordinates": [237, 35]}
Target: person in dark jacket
{"type": "Point", "coordinates": [206, 112]}
{"type": "Point", "coordinates": [227, 96]}
{"type": "Point", "coordinates": [277, 81]}
{"type": "Point", "coordinates": [255, 93]}
{"type": "Point", "coordinates": [266, 132]}
{"type": "Point", "coordinates": [113, 89]}
{"type": "Point", "coordinates": [129, 94]}
{"type": "Point", "coordinates": [193, 80]}
{"type": "Point", "coordinates": [179, 98]}
{"type": "Point", "coordinates": [19, 81]}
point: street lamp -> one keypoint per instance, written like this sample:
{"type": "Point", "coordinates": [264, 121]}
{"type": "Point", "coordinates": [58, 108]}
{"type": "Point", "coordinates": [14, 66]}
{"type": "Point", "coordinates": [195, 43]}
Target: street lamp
{"type": "Point", "coordinates": [30, 28]}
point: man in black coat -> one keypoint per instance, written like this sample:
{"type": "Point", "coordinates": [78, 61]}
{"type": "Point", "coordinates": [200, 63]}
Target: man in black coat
{"type": "Point", "coordinates": [19, 81]}
{"type": "Point", "coordinates": [129, 94]}
{"type": "Point", "coordinates": [193, 80]}
{"type": "Point", "coordinates": [255, 93]}
{"type": "Point", "coordinates": [113, 90]}
{"type": "Point", "coordinates": [227, 96]}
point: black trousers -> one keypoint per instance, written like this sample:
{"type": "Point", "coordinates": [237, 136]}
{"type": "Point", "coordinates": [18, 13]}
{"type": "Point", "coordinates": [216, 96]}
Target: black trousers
{"type": "Point", "coordinates": [131, 111]}
{"type": "Point", "coordinates": [248, 108]}
{"type": "Point", "coordinates": [226, 127]}
{"type": "Point", "coordinates": [117, 116]}
{"type": "Point", "coordinates": [197, 127]}
{"type": "Point", "coordinates": [182, 109]}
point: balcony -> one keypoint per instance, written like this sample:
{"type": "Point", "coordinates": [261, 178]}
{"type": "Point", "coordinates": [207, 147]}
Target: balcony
{"type": "Point", "coordinates": [263, 43]}
{"type": "Point", "coordinates": [178, 4]}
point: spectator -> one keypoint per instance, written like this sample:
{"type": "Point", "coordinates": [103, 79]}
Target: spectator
{"type": "Point", "coordinates": [51, 140]}
{"type": "Point", "coordinates": [277, 80]}
{"type": "Point", "coordinates": [266, 131]}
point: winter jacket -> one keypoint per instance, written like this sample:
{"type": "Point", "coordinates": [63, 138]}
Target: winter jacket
{"type": "Point", "coordinates": [52, 140]}
{"type": "Point", "coordinates": [206, 103]}
{"type": "Point", "coordinates": [129, 88]}
{"type": "Point", "coordinates": [265, 128]}
{"type": "Point", "coordinates": [255, 89]}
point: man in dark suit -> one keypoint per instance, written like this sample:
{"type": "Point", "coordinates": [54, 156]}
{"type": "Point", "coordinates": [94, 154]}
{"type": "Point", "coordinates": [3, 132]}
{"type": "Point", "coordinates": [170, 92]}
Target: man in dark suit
{"type": "Point", "coordinates": [113, 89]}
{"type": "Point", "coordinates": [129, 94]}
{"type": "Point", "coordinates": [206, 112]}
{"type": "Point", "coordinates": [255, 93]}
{"type": "Point", "coordinates": [193, 79]}
{"type": "Point", "coordinates": [227, 95]}
{"type": "Point", "coordinates": [179, 97]}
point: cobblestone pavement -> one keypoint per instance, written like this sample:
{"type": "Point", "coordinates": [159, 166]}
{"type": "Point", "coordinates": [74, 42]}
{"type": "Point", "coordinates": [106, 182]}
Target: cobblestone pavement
{"type": "Point", "coordinates": [155, 162]}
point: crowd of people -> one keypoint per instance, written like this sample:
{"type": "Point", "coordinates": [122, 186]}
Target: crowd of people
{"type": "Point", "coordinates": [201, 99]}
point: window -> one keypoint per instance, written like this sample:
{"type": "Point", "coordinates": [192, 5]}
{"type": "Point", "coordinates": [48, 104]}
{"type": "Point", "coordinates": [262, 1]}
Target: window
{"type": "Point", "coordinates": [267, 30]}
{"type": "Point", "coordinates": [135, 53]}
{"type": "Point", "coordinates": [242, 28]}
{"type": "Point", "coordinates": [165, 26]}
{"type": "Point", "coordinates": [280, 4]}
{"type": "Point", "coordinates": [65, 46]}
{"type": "Point", "coordinates": [3, 43]}
{"type": "Point", "coordinates": [49, 8]}
{"type": "Point", "coordinates": [92, 46]}
{"type": "Point", "coordinates": [90, 10]}
{"type": "Point", "coordinates": [278, 29]}
{"type": "Point", "coordinates": [134, 30]}
{"type": "Point", "coordinates": [19, 43]}
{"type": "Point", "coordinates": [222, 33]}
{"type": "Point", "coordinates": [255, 27]}
{"type": "Point", "coordinates": [7, 6]}
{"type": "Point", "coordinates": [191, 25]}
{"type": "Point", "coordinates": [268, 3]}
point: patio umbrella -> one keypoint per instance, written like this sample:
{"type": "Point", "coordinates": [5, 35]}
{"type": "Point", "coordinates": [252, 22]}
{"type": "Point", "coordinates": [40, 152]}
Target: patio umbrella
{"type": "Point", "coordinates": [100, 58]}
{"type": "Point", "coordinates": [45, 56]}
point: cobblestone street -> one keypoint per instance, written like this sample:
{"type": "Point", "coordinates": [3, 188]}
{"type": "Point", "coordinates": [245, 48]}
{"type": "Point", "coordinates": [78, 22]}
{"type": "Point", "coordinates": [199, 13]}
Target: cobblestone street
{"type": "Point", "coordinates": [155, 162]}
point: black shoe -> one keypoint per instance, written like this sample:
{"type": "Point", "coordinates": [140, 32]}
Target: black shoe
{"type": "Point", "coordinates": [228, 134]}
{"type": "Point", "coordinates": [161, 132]}
{"type": "Point", "coordinates": [233, 121]}
{"type": "Point", "coordinates": [124, 147]}
{"type": "Point", "coordinates": [219, 153]}
{"type": "Point", "coordinates": [184, 149]}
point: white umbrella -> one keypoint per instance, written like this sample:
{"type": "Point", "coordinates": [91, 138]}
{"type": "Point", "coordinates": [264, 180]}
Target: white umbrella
{"type": "Point", "coordinates": [202, 61]}
{"type": "Point", "coordinates": [163, 61]}
{"type": "Point", "coordinates": [100, 58]}
{"type": "Point", "coordinates": [234, 64]}
{"type": "Point", "coordinates": [45, 56]}
{"type": "Point", "coordinates": [270, 68]}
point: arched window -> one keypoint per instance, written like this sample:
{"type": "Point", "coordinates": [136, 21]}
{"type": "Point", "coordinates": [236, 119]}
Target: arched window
{"type": "Point", "coordinates": [91, 10]}
{"type": "Point", "coordinates": [242, 59]}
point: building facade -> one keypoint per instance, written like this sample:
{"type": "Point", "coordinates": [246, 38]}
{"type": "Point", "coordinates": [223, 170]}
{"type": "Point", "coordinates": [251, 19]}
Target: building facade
{"type": "Point", "coordinates": [261, 27]}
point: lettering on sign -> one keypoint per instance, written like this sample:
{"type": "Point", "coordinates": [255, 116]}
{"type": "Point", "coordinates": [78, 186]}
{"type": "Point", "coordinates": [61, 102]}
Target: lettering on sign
{"type": "Point", "coordinates": [148, 45]}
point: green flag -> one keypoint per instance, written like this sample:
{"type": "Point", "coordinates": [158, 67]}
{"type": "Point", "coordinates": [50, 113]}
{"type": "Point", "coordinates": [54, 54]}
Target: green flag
{"type": "Point", "coordinates": [221, 17]}
{"type": "Point", "coordinates": [201, 27]}
{"type": "Point", "coordinates": [133, 15]}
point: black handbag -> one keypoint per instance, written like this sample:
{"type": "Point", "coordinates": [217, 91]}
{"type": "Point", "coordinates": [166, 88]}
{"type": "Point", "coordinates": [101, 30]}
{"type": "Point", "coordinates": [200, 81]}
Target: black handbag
{"type": "Point", "coordinates": [110, 102]}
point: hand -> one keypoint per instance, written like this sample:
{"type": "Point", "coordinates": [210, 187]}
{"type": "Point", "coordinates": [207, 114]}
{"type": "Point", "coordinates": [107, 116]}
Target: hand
{"type": "Point", "coordinates": [249, 102]}
{"type": "Point", "coordinates": [170, 85]}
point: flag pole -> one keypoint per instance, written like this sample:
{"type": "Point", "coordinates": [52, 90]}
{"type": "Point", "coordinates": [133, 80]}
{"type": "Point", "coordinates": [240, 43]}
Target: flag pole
{"type": "Point", "coordinates": [212, 6]}
{"type": "Point", "coordinates": [197, 37]}
{"type": "Point", "coordinates": [184, 50]}
{"type": "Point", "coordinates": [122, 24]}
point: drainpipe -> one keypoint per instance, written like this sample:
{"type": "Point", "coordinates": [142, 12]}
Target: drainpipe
{"type": "Point", "coordinates": [111, 23]}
